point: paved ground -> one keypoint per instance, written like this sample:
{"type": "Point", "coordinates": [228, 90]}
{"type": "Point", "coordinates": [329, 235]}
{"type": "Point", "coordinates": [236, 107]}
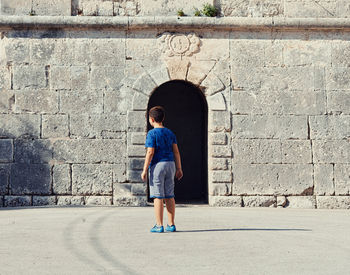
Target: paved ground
{"type": "Point", "coordinates": [111, 240]}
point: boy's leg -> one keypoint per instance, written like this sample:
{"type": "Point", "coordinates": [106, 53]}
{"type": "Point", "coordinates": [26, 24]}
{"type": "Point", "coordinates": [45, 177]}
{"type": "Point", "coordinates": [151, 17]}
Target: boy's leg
{"type": "Point", "coordinates": [158, 210]}
{"type": "Point", "coordinates": [170, 206]}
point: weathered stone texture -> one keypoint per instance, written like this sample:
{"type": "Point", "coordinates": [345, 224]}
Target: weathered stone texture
{"type": "Point", "coordinates": [342, 179]}
{"type": "Point", "coordinates": [269, 126]}
{"type": "Point", "coordinates": [44, 200]}
{"type": "Point", "coordinates": [28, 179]}
{"type": "Point", "coordinates": [54, 126]}
{"type": "Point", "coordinates": [296, 151]}
{"type": "Point", "coordinates": [272, 179]}
{"type": "Point", "coordinates": [38, 101]}
{"type": "Point", "coordinates": [13, 201]}
{"type": "Point", "coordinates": [323, 178]}
{"type": "Point", "coordinates": [259, 201]}
{"type": "Point", "coordinates": [331, 151]}
{"type": "Point", "coordinates": [301, 202]}
{"type": "Point", "coordinates": [333, 202]}
{"type": "Point", "coordinates": [130, 201]}
{"type": "Point", "coordinates": [16, 7]}
{"type": "Point", "coordinates": [4, 178]}
{"type": "Point", "coordinates": [98, 200]}
{"type": "Point", "coordinates": [19, 125]}
{"type": "Point", "coordinates": [27, 76]}
{"type": "Point", "coordinates": [80, 102]}
{"type": "Point", "coordinates": [330, 127]}
{"type": "Point", "coordinates": [338, 102]}
{"type": "Point", "coordinates": [6, 150]}
{"type": "Point", "coordinates": [70, 200]}
{"type": "Point", "coordinates": [225, 201]}
{"type": "Point", "coordinates": [32, 151]}
{"type": "Point", "coordinates": [7, 99]}
{"type": "Point", "coordinates": [323, 8]}
{"type": "Point", "coordinates": [89, 151]}
{"type": "Point", "coordinates": [61, 179]}
{"type": "Point", "coordinates": [220, 189]}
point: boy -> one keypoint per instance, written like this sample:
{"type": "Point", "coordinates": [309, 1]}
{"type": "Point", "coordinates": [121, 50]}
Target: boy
{"type": "Point", "coordinates": [161, 158]}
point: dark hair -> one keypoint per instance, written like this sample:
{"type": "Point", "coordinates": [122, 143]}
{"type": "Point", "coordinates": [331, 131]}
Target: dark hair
{"type": "Point", "coordinates": [157, 113]}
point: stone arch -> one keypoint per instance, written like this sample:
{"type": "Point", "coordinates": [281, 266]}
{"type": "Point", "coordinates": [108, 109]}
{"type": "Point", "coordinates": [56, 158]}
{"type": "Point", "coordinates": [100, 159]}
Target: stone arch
{"type": "Point", "coordinates": [200, 74]}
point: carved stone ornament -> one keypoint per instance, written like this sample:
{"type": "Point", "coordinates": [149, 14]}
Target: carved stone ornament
{"type": "Point", "coordinates": [179, 44]}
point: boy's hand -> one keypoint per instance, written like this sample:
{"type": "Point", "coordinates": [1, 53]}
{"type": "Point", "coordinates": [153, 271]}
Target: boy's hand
{"type": "Point", "coordinates": [144, 176]}
{"type": "Point", "coordinates": [179, 174]}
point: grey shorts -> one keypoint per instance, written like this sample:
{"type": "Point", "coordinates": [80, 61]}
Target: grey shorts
{"type": "Point", "coordinates": [161, 180]}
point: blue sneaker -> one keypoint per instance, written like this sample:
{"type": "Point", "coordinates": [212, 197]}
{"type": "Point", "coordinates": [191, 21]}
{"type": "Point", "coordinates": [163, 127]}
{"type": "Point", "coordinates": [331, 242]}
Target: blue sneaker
{"type": "Point", "coordinates": [170, 228]}
{"type": "Point", "coordinates": [157, 229]}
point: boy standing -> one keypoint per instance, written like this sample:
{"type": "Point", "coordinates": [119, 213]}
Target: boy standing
{"type": "Point", "coordinates": [162, 157]}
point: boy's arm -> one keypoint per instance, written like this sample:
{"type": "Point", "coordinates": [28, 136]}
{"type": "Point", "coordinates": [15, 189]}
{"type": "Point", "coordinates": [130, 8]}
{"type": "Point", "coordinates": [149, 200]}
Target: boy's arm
{"type": "Point", "coordinates": [149, 156]}
{"type": "Point", "coordinates": [177, 157]}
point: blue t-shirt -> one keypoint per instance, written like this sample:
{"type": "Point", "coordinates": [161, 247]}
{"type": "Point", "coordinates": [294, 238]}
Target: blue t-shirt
{"type": "Point", "coordinates": [161, 139]}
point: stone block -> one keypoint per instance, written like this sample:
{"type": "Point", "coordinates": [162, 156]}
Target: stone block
{"type": "Point", "coordinates": [139, 189]}
{"type": "Point", "coordinates": [323, 178]}
{"type": "Point", "coordinates": [28, 179]}
{"type": "Point", "coordinates": [107, 77]}
{"type": "Point", "coordinates": [340, 53]}
{"type": "Point", "coordinates": [256, 151]}
{"type": "Point", "coordinates": [338, 102]}
{"type": "Point", "coordinates": [343, 9]}
{"type": "Point", "coordinates": [52, 7]}
{"type": "Point", "coordinates": [36, 101]}
{"type": "Point", "coordinates": [19, 125]}
{"type": "Point", "coordinates": [32, 151]}
{"type": "Point", "coordinates": [225, 201]}
{"type": "Point", "coordinates": [301, 202]}
{"type": "Point", "coordinates": [16, 7]}
{"type": "Point", "coordinates": [42, 51]}
{"type": "Point", "coordinates": [92, 179]}
{"type": "Point", "coordinates": [272, 78]}
{"type": "Point", "coordinates": [89, 8]}
{"type": "Point", "coordinates": [80, 77]}
{"type": "Point", "coordinates": [108, 51]}
{"type": "Point", "coordinates": [220, 189]}
{"type": "Point", "coordinates": [4, 178]}
{"type": "Point", "coordinates": [259, 201]}
{"type": "Point", "coordinates": [220, 176]}
{"type": "Point", "coordinates": [214, 46]}
{"type": "Point", "coordinates": [163, 7]}
{"type": "Point", "coordinates": [253, 8]}
{"type": "Point", "coordinates": [218, 138]}
{"type": "Point", "coordinates": [1, 201]}
{"type": "Point", "coordinates": [54, 126]}
{"type": "Point", "coordinates": [6, 150]}
{"type": "Point", "coordinates": [5, 78]}
{"type": "Point", "coordinates": [144, 84]}
{"type": "Point", "coordinates": [44, 200]}
{"type": "Point", "coordinates": [7, 99]}
{"type": "Point", "coordinates": [14, 201]}
{"type": "Point", "coordinates": [119, 172]}
{"type": "Point", "coordinates": [122, 190]}
{"type": "Point", "coordinates": [136, 121]}
{"type": "Point", "coordinates": [143, 45]}
{"type": "Point", "coordinates": [70, 77]}
{"type": "Point", "coordinates": [218, 164]}
{"type": "Point", "coordinates": [219, 121]}
{"type": "Point", "coordinates": [139, 102]}
{"type": "Point", "coordinates": [98, 200]}
{"type": "Point", "coordinates": [90, 151]}
{"type": "Point", "coordinates": [70, 200]}
{"type": "Point", "coordinates": [138, 138]}
{"type": "Point", "coordinates": [80, 102]}
{"type": "Point", "coordinates": [331, 151]}
{"type": "Point", "coordinates": [272, 179]}
{"type": "Point", "coordinates": [63, 53]}
{"type": "Point", "coordinates": [304, 9]}
{"type": "Point", "coordinates": [337, 78]}
{"type": "Point", "coordinates": [118, 101]}
{"type": "Point", "coordinates": [296, 151]}
{"type": "Point", "coordinates": [94, 125]}
{"type": "Point", "coordinates": [134, 176]}
{"type": "Point", "coordinates": [17, 50]}
{"type": "Point", "coordinates": [217, 102]}
{"type": "Point", "coordinates": [333, 202]}
{"type": "Point", "coordinates": [60, 77]}
{"type": "Point", "coordinates": [161, 75]}
{"type": "Point", "coordinates": [105, 8]}
{"type": "Point", "coordinates": [278, 102]}
{"type": "Point", "coordinates": [130, 201]}
{"type": "Point", "coordinates": [177, 69]}
{"type": "Point", "coordinates": [330, 127]}
{"type": "Point", "coordinates": [342, 179]}
{"type": "Point", "coordinates": [135, 163]}
{"type": "Point", "coordinates": [61, 179]}
{"type": "Point", "coordinates": [29, 76]}
{"type": "Point", "coordinates": [220, 151]}
{"type": "Point", "coordinates": [307, 52]}
{"type": "Point", "coordinates": [269, 126]}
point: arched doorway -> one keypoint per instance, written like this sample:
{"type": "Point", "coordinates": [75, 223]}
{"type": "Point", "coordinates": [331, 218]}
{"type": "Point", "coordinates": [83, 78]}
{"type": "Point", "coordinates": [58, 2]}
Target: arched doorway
{"type": "Point", "coordinates": [186, 115]}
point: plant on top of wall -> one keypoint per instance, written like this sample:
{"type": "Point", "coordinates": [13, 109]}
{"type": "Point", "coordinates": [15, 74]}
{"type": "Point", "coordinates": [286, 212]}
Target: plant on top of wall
{"type": "Point", "coordinates": [209, 10]}
{"type": "Point", "coordinates": [180, 12]}
{"type": "Point", "coordinates": [197, 12]}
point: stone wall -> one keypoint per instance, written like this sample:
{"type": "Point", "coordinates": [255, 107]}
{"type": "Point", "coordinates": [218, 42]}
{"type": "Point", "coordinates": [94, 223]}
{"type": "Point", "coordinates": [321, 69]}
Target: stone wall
{"type": "Point", "coordinates": [230, 8]}
{"type": "Point", "coordinates": [73, 103]}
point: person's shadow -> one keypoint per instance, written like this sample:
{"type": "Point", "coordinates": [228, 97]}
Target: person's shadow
{"type": "Point", "coordinates": [241, 229]}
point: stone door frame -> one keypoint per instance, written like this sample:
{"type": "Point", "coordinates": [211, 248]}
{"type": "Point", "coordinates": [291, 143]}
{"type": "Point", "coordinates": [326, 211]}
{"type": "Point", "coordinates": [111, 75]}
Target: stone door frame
{"type": "Point", "coordinates": [218, 149]}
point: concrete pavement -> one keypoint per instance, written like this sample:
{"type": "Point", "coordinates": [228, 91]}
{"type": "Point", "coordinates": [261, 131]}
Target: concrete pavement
{"type": "Point", "coordinates": [116, 240]}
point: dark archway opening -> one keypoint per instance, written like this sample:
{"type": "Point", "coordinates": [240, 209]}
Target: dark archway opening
{"type": "Point", "coordinates": [187, 116]}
